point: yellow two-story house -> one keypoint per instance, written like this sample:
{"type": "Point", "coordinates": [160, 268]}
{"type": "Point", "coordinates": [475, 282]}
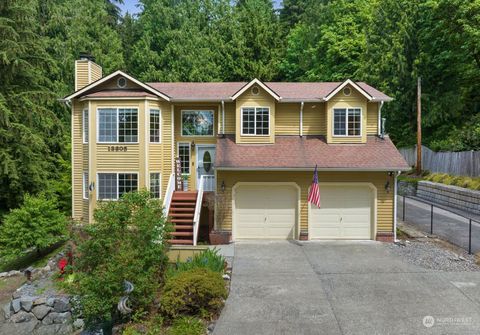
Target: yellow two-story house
{"type": "Point", "coordinates": [254, 145]}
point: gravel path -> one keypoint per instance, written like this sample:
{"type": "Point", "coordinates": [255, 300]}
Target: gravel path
{"type": "Point", "coordinates": [434, 255]}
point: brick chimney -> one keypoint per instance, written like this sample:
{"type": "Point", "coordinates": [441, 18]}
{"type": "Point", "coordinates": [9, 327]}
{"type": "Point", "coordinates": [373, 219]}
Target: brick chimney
{"type": "Point", "coordinates": [86, 71]}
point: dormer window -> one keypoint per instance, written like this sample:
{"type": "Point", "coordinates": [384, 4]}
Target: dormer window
{"type": "Point", "coordinates": [347, 122]}
{"type": "Point", "coordinates": [255, 121]}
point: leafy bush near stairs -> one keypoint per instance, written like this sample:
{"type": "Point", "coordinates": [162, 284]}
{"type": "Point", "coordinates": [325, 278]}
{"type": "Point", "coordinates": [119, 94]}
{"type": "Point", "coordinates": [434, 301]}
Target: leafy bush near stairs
{"type": "Point", "coordinates": [37, 224]}
{"type": "Point", "coordinates": [208, 259]}
{"type": "Point", "coordinates": [197, 291]}
{"type": "Point", "coordinates": [126, 242]}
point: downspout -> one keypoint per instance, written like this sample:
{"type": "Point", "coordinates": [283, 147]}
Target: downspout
{"type": "Point", "coordinates": [301, 119]}
{"type": "Point", "coordinates": [395, 206]}
{"type": "Point", "coordinates": [223, 118]}
{"type": "Point", "coordinates": [380, 119]}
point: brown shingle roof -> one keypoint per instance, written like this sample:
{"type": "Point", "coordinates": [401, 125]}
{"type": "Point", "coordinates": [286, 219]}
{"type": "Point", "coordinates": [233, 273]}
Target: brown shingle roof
{"type": "Point", "coordinates": [287, 90]}
{"type": "Point", "coordinates": [294, 152]}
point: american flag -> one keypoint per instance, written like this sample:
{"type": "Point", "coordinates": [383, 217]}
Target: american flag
{"type": "Point", "coordinates": [314, 193]}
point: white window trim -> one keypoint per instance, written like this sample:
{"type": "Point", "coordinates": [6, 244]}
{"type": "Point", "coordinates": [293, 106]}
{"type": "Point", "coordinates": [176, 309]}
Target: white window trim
{"type": "Point", "coordinates": [85, 187]}
{"type": "Point", "coordinates": [118, 128]}
{"type": "Point", "coordinates": [197, 110]}
{"type": "Point", "coordinates": [255, 121]}
{"type": "Point", "coordinates": [346, 122]}
{"type": "Point", "coordinates": [117, 173]}
{"type": "Point", "coordinates": [160, 119]}
{"type": "Point", "coordinates": [85, 130]}
{"type": "Point", "coordinates": [189, 155]}
{"type": "Point", "coordinates": [160, 182]}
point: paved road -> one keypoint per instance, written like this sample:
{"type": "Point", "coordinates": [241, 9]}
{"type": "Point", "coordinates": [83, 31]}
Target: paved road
{"type": "Point", "coordinates": [343, 288]}
{"type": "Point", "coordinates": [447, 225]}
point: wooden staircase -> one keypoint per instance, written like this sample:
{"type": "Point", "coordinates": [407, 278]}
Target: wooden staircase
{"type": "Point", "coordinates": [182, 210]}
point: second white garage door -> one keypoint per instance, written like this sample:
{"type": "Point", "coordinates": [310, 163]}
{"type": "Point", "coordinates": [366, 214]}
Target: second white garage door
{"type": "Point", "coordinates": [265, 211]}
{"type": "Point", "coordinates": [345, 213]}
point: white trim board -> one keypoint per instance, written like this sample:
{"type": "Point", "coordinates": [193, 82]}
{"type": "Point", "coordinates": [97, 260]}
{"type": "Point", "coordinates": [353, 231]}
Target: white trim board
{"type": "Point", "coordinates": [259, 83]}
{"type": "Point", "coordinates": [345, 83]}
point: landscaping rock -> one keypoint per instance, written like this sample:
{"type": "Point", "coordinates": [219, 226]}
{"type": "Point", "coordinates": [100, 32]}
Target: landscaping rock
{"type": "Point", "coordinates": [78, 324]}
{"type": "Point", "coordinates": [24, 328]}
{"type": "Point", "coordinates": [57, 318]}
{"type": "Point", "coordinates": [22, 316]}
{"type": "Point", "coordinates": [61, 305]}
{"type": "Point", "coordinates": [17, 294]}
{"type": "Point", "coordinates": [27, 303]}
{"type": "Point", "coordinates": [50, 301]}
{"type": "Point", "coordinates": [16, 305]}
{"type": "Point", "coordinates": [41, 311]}
{"type": "Point", "coordinates": [7, 310]}
{"type": "Point", "coordinates": [39, 301]}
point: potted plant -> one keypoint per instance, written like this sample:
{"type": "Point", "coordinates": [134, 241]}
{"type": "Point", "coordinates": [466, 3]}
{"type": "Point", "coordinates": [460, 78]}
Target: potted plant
{"type": "Point", "coordinates": [185, 181]}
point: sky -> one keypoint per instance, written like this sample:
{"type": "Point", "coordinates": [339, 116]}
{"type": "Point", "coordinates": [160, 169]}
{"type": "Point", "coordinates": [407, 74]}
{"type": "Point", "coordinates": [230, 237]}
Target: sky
{"type": "Point", "coordinates": [131, 6]}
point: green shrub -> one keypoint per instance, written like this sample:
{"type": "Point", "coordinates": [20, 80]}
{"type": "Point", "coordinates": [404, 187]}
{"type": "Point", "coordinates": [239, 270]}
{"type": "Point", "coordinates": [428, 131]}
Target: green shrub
{"type": "Point", "coordinates": [127, 241]}
{"type": "Point", "coordinates": [192, 292]}
{"type": "Point", "coordinates": [36, 224]}
{"type": "Point", "coordinates": [208, 259]}
{"type": "Point", "coordinates": [187, 326]}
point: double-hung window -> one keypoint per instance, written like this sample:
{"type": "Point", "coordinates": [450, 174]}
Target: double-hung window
{"type": "Point", "coordinates": [117, 125]}
{"type": "Point", "coordinates": [347, 121]}
{"type": "Point", "coordinates": [184, 155]}
{"type": "Point", "coordinates": [255, 121]}
{"type": "Point", "coordinates": [155, 184]}
{"type": "Point", "coordinates": [85, 185]}
{"type": "Point", "coordinates": [111, 186]}
{"type": "Point", "coordinates": [154, 126]}
{"type": "Point", "coordinates": [85, 125]}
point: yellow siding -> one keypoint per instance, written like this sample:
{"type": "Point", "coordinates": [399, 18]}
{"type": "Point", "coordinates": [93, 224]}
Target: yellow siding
{"type": "Point", "coordinates": [314, 119]}
{"type": "Point", "coordinates": [81, 75]}
{"type": "Point", "coordinates": [118, 161]}
{"type": "Point", "coordinates": [354, 100]}
{"type": "Point", "coordinates": [372, 118]}
{"type": "Point", "coordinates": [86, 72]}
{"type": "Point", "coordinates": [197, 139]}
{"type": "Point", "coordinates": [303, 179]}
{"type": "Point", "coordinates": [79, 161]}
{"type": "Point", "coordinates": [287, 119]}
{"type": "Point", "coordinates": [229, 118]}
{"type": "Point", "coordinates": [262, 99]}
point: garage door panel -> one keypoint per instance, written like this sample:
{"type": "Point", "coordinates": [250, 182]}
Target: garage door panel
{"type": "Point", "coordinates": [265, 212]}
{"type": "Point", "coordinates": [345, 213]}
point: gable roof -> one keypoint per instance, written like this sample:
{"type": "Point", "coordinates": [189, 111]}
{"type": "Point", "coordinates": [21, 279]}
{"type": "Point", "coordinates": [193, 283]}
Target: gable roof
{"type": "Point", "coordinates": [112, 75]}
{"type": "Point", "coordinates": [345, 83]}
{"type": "Point", "coordinates": [259, 83]}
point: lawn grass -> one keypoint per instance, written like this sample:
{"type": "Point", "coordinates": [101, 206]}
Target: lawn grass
{"type": "Point", "coordinates": [472, 183]}
{"type": "Point", "coordinates": [30, 259]}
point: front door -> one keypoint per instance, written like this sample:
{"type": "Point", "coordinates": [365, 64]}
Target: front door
{"type": "Point", "coordinates": [205, 166]}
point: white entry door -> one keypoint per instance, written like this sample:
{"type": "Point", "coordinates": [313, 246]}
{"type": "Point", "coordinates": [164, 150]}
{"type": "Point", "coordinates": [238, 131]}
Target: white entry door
{"type": "Point", "coordinates": [205, 166]}
{"type": "Point", "coordinates": [345, 213]}
{"type": "Point", "coordinates": [265, 211]}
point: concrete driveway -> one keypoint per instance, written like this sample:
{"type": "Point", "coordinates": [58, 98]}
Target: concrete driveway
{"type": "Point", "coordinates": [344, 288]}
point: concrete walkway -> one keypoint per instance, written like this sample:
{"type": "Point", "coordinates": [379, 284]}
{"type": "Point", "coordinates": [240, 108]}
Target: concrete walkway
{"type": "Point", "coordinates": [343, 288]}
{"type": "Point", "coordinates": [447, 225]}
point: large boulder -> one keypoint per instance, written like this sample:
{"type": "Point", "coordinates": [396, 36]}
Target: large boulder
{"type": "Point", "coordinates": [61, 305]}
{"type": "Point", "coordinates": [57, 318]}
{"type": "Point", "coordinates": [22, 316]}
{"type": "Point", "coordinates": [41, 311]}
{"type": "Point", "coordinates": [27, 303]}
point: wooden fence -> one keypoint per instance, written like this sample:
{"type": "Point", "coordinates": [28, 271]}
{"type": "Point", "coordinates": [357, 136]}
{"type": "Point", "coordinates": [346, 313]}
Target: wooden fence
{"type": "Point", "coordinates": [462, 163]}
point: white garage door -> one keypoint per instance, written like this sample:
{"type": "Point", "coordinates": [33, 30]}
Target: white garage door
{"type": "Point", "coordinates": [345, 213]}
{"type": "Point", "coordinates": [265, 211]}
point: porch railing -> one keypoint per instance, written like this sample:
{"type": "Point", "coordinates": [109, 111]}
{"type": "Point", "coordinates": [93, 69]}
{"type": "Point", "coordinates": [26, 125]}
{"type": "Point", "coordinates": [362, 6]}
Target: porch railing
{"type": "Point", "coordinates": [167, 200]}
{"type": "Point", "coordinates": [198, 209]}
{"type": "Point", "coordinates": [209, 183]}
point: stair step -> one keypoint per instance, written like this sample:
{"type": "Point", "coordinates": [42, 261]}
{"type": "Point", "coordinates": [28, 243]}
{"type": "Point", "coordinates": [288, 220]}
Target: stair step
{"type": "Point", "coordinates": [178, 241]}
{"type": "Point", "coordinates": [182, 209]}
{"type": "Point", "coordinates": [182, 233]}
{"type": "Point", "coordinates": [181, 215]}
{"type": "Point", "coordinates": [183, 203]}
{"type": "Point", "coordinates": [183, 227]}
{"type": "Point", "coordinates": [184, 221]}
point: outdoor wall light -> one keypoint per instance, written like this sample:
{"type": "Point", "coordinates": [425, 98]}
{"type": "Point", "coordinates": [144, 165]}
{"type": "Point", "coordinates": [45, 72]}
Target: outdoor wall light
{"type": "Point", "coordinates": [91, 187]}
{"type": "Point", "coordinates": [223, 186]}
{"type": "Point", "coordinates": [387, 186]}
{"type": "Point", "coordinates": [192, 145]}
